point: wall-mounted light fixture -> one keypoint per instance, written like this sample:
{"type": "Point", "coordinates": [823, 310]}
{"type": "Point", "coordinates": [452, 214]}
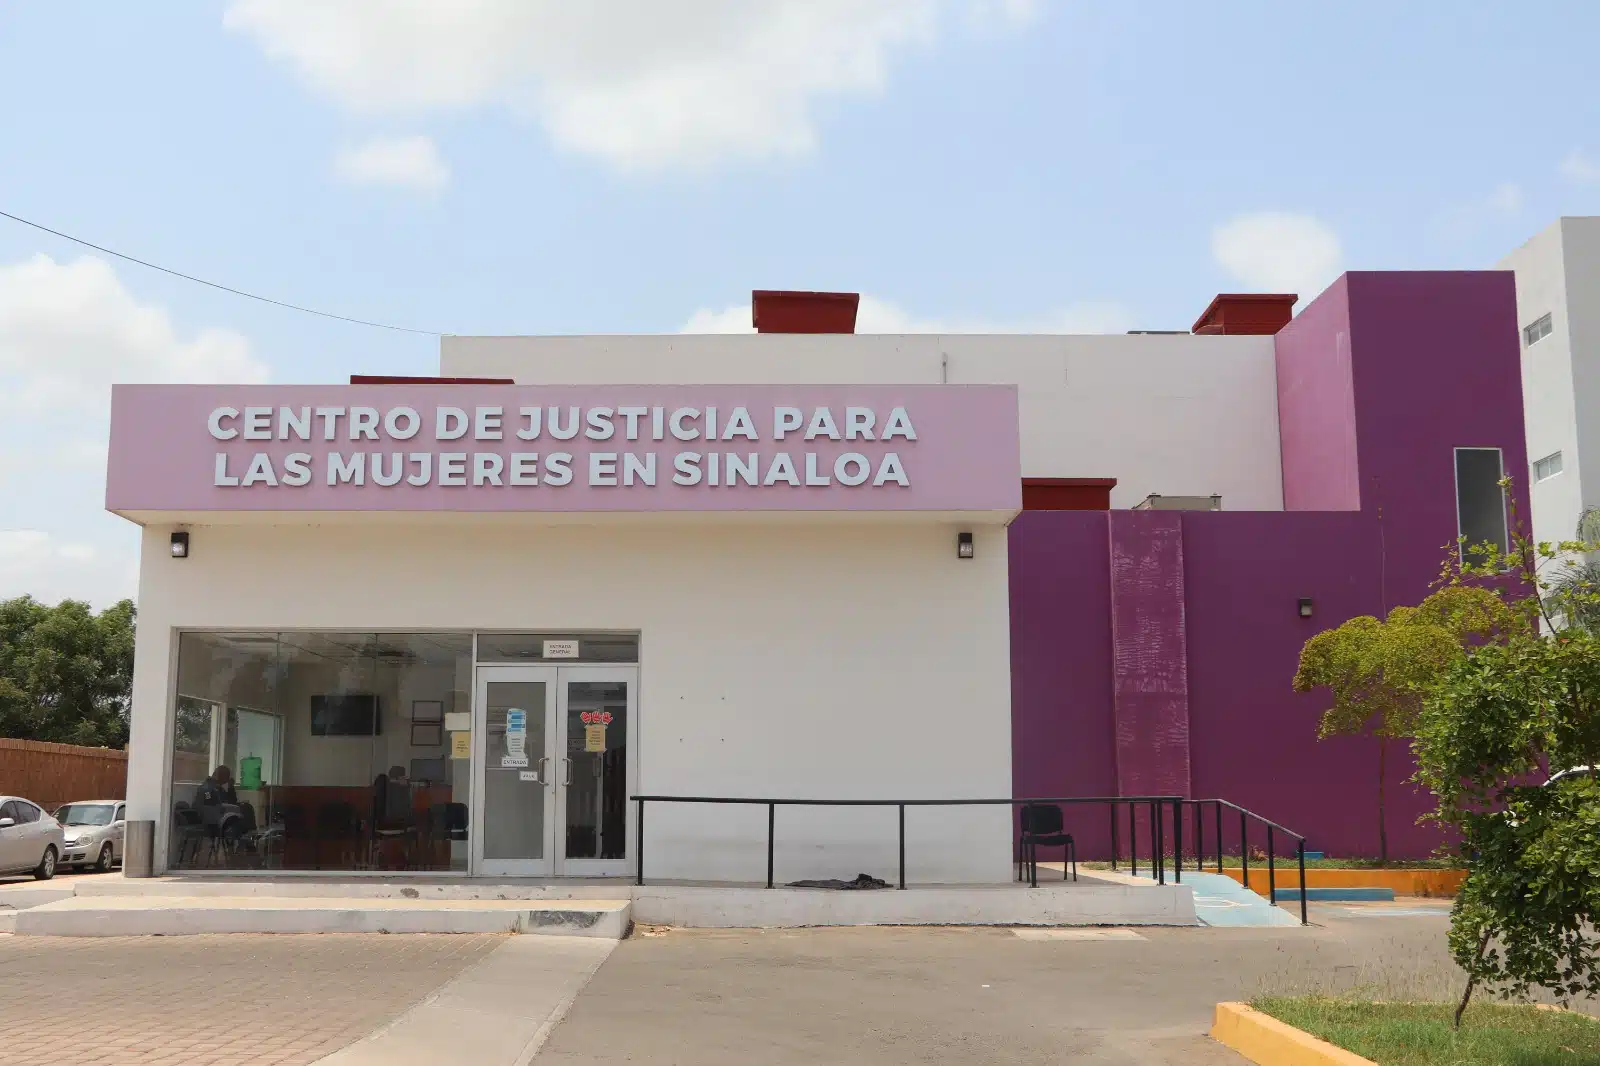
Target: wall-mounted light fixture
{"type": "Point", "coordinates": [963, 545]}
{"type": "Point", "coordinates": [1305, 607]}
{"type": "Point", "coordinates": [180, 545]}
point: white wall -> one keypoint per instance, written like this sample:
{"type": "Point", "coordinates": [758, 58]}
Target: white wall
{"type": "Point", "coordinates": [1549, 398]}
{"type": "Point", "coordinates": [832, 659]}
{"type": "Point", "coordinates": [1175, 415]}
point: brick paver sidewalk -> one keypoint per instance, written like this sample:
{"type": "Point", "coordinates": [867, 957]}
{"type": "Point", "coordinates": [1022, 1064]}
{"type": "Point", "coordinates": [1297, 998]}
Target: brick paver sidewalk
{"type": "Point", "coordinates": [213, 1000]}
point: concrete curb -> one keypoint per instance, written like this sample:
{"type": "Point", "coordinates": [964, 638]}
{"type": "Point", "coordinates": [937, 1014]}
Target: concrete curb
{"type": "Point", "coordinates": [1266, 1041]}
{"type": "Point", "coordinates": [177, 917]}
{"type": "Point", "coordinates": [794, 908]}
{"type": "Point", "coordinates": [1429, 883]}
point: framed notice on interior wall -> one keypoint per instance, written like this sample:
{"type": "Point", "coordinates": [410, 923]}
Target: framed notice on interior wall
{"type": "Point", "coordinates": [427, 723]}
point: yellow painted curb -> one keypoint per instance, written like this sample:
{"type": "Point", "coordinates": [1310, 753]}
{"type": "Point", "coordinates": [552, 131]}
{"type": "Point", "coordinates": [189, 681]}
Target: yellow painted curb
{"type": "Point", "coordinates": [1266, 1041]}
{"type": "Point", "coordinates": [1434, 883]}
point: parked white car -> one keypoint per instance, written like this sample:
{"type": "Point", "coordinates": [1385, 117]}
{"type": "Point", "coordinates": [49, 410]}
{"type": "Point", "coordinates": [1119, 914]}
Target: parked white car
{"type": "Point", "coordinates": [1576, 771]}
{"type": "Point", "coordinates": [94, 830]}
{"type": "Point", "coordinates": [30, 840]}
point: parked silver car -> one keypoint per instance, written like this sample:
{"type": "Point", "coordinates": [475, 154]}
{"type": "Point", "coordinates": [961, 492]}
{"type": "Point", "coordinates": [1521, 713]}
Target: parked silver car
{"type": "Point", "coordinates": [30, 840]}
{"type": "Point", "coordinates": [94, 830]}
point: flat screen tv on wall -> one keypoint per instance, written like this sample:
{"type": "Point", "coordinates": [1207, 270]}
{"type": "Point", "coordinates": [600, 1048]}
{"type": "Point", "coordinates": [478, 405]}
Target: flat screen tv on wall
{"type": "Point", "coordinates": [346, 714]}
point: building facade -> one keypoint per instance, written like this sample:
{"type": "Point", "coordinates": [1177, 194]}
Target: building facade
{"type": "Point", "coordinates": [1558, 278]}
{"type": "Point", "coordinates": [452, 625]}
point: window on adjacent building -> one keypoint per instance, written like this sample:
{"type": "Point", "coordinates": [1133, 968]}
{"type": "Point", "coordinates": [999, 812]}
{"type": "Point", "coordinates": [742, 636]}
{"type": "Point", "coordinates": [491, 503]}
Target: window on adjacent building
{"type": "Point", "coordinates": [1548, 467]}
{"type": "Point", "coordinates": [1480, 501]}
{"type": "Point", "coordinates": [1537, 330]}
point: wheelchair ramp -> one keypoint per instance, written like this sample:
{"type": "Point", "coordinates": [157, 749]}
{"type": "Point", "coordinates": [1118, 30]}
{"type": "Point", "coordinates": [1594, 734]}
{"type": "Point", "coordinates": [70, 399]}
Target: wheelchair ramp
{"type": "Point", "coordinates": [1221, 901]}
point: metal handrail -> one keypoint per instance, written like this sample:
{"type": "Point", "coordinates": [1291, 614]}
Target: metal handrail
{"type": "Point", "coordinates": [1157, 804]}
{"type": "Point", "coordinates": [1244, 846]}
{"type": "Point", "coordinates": [1253, 814]}
{"type": "Point", "coordinates": [1158, 809]}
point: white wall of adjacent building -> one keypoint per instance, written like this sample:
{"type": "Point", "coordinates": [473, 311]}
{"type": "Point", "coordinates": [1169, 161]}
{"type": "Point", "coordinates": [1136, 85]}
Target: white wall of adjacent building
{"type": "Point", "coordinates": [836, 658]}
{"type": "Point", "coordinates": [1174, 415]}
{"type": "Point", "coordinates": [1558, 274]}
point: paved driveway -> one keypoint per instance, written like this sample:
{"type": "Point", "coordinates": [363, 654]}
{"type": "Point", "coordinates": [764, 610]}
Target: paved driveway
{"type": "Point", "coordinates": [881, 996]}
{"type": "Point", "coordinates": [213, 1000]}
{"type": "Point", "coordinates": [705, 998]}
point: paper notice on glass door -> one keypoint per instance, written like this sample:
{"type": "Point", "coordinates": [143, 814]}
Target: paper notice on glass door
{"type": "Point", "coordinates": [516, 739]}
{"type": "Point", "coordinates": [594, 738]}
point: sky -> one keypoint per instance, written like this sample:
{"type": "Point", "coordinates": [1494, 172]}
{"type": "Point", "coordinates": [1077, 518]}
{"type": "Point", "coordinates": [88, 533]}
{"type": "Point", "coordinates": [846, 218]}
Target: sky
{"type": "Point", "coordinates": [638, 166]}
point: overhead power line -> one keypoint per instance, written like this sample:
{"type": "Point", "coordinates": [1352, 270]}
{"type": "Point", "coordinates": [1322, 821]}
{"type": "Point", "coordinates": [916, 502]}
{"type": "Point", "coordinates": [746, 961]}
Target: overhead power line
{"type": "Point", "coordinates": [213, 284]}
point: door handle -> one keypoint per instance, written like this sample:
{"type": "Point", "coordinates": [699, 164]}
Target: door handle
{"type": "Point", "coordinates": [544, 761]}
{"type": "Point", "coordinates": [567, 782]}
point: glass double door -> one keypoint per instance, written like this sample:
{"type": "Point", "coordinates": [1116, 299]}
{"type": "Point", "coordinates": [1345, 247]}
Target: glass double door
{"type": "Point", "coordinates": [552, 745]}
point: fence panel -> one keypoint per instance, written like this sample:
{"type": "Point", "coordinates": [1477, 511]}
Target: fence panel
{"type": "Point", "coordinates": [53, 774]}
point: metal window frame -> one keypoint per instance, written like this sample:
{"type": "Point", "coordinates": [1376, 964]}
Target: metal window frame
{"type": "Point", "coordinates": [1559, 470]}
{"type": "Point", "coordinates": [1505, 500]}
{"type": "Point", "coordinates": [1543, 326]}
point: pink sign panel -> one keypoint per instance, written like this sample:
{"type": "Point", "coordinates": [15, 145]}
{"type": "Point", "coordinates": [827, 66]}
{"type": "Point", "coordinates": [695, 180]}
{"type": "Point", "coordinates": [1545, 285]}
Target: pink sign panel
{"type": "Point", "coordinates": [183, 448]}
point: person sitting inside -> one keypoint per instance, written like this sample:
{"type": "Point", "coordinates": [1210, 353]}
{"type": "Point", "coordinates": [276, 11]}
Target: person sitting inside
{"type": "Point", "coordinates": [219, 805]}
{"type": "Point", "coordinates": [392, 817]}
{"type": "Point", "coordinates": [395, 799]}
{"type": "Point", "coordinates": [217, 790]}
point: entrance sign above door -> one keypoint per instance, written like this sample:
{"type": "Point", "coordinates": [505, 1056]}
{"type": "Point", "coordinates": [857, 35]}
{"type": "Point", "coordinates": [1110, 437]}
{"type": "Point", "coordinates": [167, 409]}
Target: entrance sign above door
{"type": "Point", "coordinates": [177, 448]}
{"type": "Point", "coordinates": [560, 649]}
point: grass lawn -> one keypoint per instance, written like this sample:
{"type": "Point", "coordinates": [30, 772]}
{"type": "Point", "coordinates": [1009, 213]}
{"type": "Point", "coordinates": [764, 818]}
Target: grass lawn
{"type": "Point", "coordinates": [1419, 1034]}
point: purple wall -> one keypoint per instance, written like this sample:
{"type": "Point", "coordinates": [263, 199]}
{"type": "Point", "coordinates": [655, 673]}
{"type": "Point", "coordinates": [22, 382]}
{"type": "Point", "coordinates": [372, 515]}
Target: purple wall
{"type": "Point", "coordinates": [1430, 362]}
{"type": "Point", "coordinates": [1254, 740]}
{"type": "Point", "coordinates": [1149, 657]}
{"type": "Point", "coordinates": [1437, 362]}
{"type": "Point", "coordinates": [1063, 743]}
{"type": "Point", "coordinates": [1317, 407]}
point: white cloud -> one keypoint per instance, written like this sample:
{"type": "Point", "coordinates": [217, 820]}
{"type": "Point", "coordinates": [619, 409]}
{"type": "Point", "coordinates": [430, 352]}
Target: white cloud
{"type": "Point", "coordinates": [1505, 200]}
{"type": "Point", "coordinates": [67, 332]}
{"type": "Point", "coordinates": [1278, 251]}
{"type": "Point", "coordinates": [641, 83]}
{"type": "Point", "coordinates": [880, 316]}
{"type": "Point", "coordinates": [50, 569]}
{"type": "Point", "coordinates": [1466, 218]}
{"type": "Point", "coordinates": [406, 162]}
{"type": "Point", "coordinates": [1580, 169]}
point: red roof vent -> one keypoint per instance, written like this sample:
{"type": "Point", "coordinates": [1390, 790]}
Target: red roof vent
{"type": "Point", "coordinates": [1067, 493]}
{"type": "Point", "coordinates": [804, 312]}
{"type": "Point", "coordinates": [1247, 314]}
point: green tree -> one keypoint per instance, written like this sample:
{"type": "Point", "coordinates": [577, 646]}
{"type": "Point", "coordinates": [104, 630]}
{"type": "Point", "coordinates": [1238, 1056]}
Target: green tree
{"type": "Point", "coordinates": [1489, 729]}
{"type": "Point", "coordinates": [1379, 671]}
{"type": "Point", "coordinates": [65, 671]}
{"type": "Point", "coordinates": [1573, 595]}
{"type": "Point", "coordinates": [1487, 732]}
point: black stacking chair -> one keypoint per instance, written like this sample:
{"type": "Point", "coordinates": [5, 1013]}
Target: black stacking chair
{"type": "Point", "coordinates": [1042, 828]}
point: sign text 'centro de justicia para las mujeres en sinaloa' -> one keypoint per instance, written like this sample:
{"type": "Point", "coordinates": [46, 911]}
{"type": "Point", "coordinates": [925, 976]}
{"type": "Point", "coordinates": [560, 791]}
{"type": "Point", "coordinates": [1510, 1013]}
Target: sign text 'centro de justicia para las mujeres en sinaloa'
{"type": "Point", "coordinates": [574, 448]}
{"type": "Point", "coordinates": [554, 446]}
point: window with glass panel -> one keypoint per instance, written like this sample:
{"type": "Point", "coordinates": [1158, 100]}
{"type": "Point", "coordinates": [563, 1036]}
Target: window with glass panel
{"type": "Point", "coordinates": [1548, 467]}
{"type": "Point", "coordinates": [319, 751]}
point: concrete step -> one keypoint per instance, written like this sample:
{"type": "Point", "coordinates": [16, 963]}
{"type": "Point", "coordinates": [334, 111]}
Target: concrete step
{"type": "Point", "coordinates": [162, 915]}
{"type": "Point", "coordinates": [1095, 899]}
{"type": "Point", "coordinates": [20, 895]}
